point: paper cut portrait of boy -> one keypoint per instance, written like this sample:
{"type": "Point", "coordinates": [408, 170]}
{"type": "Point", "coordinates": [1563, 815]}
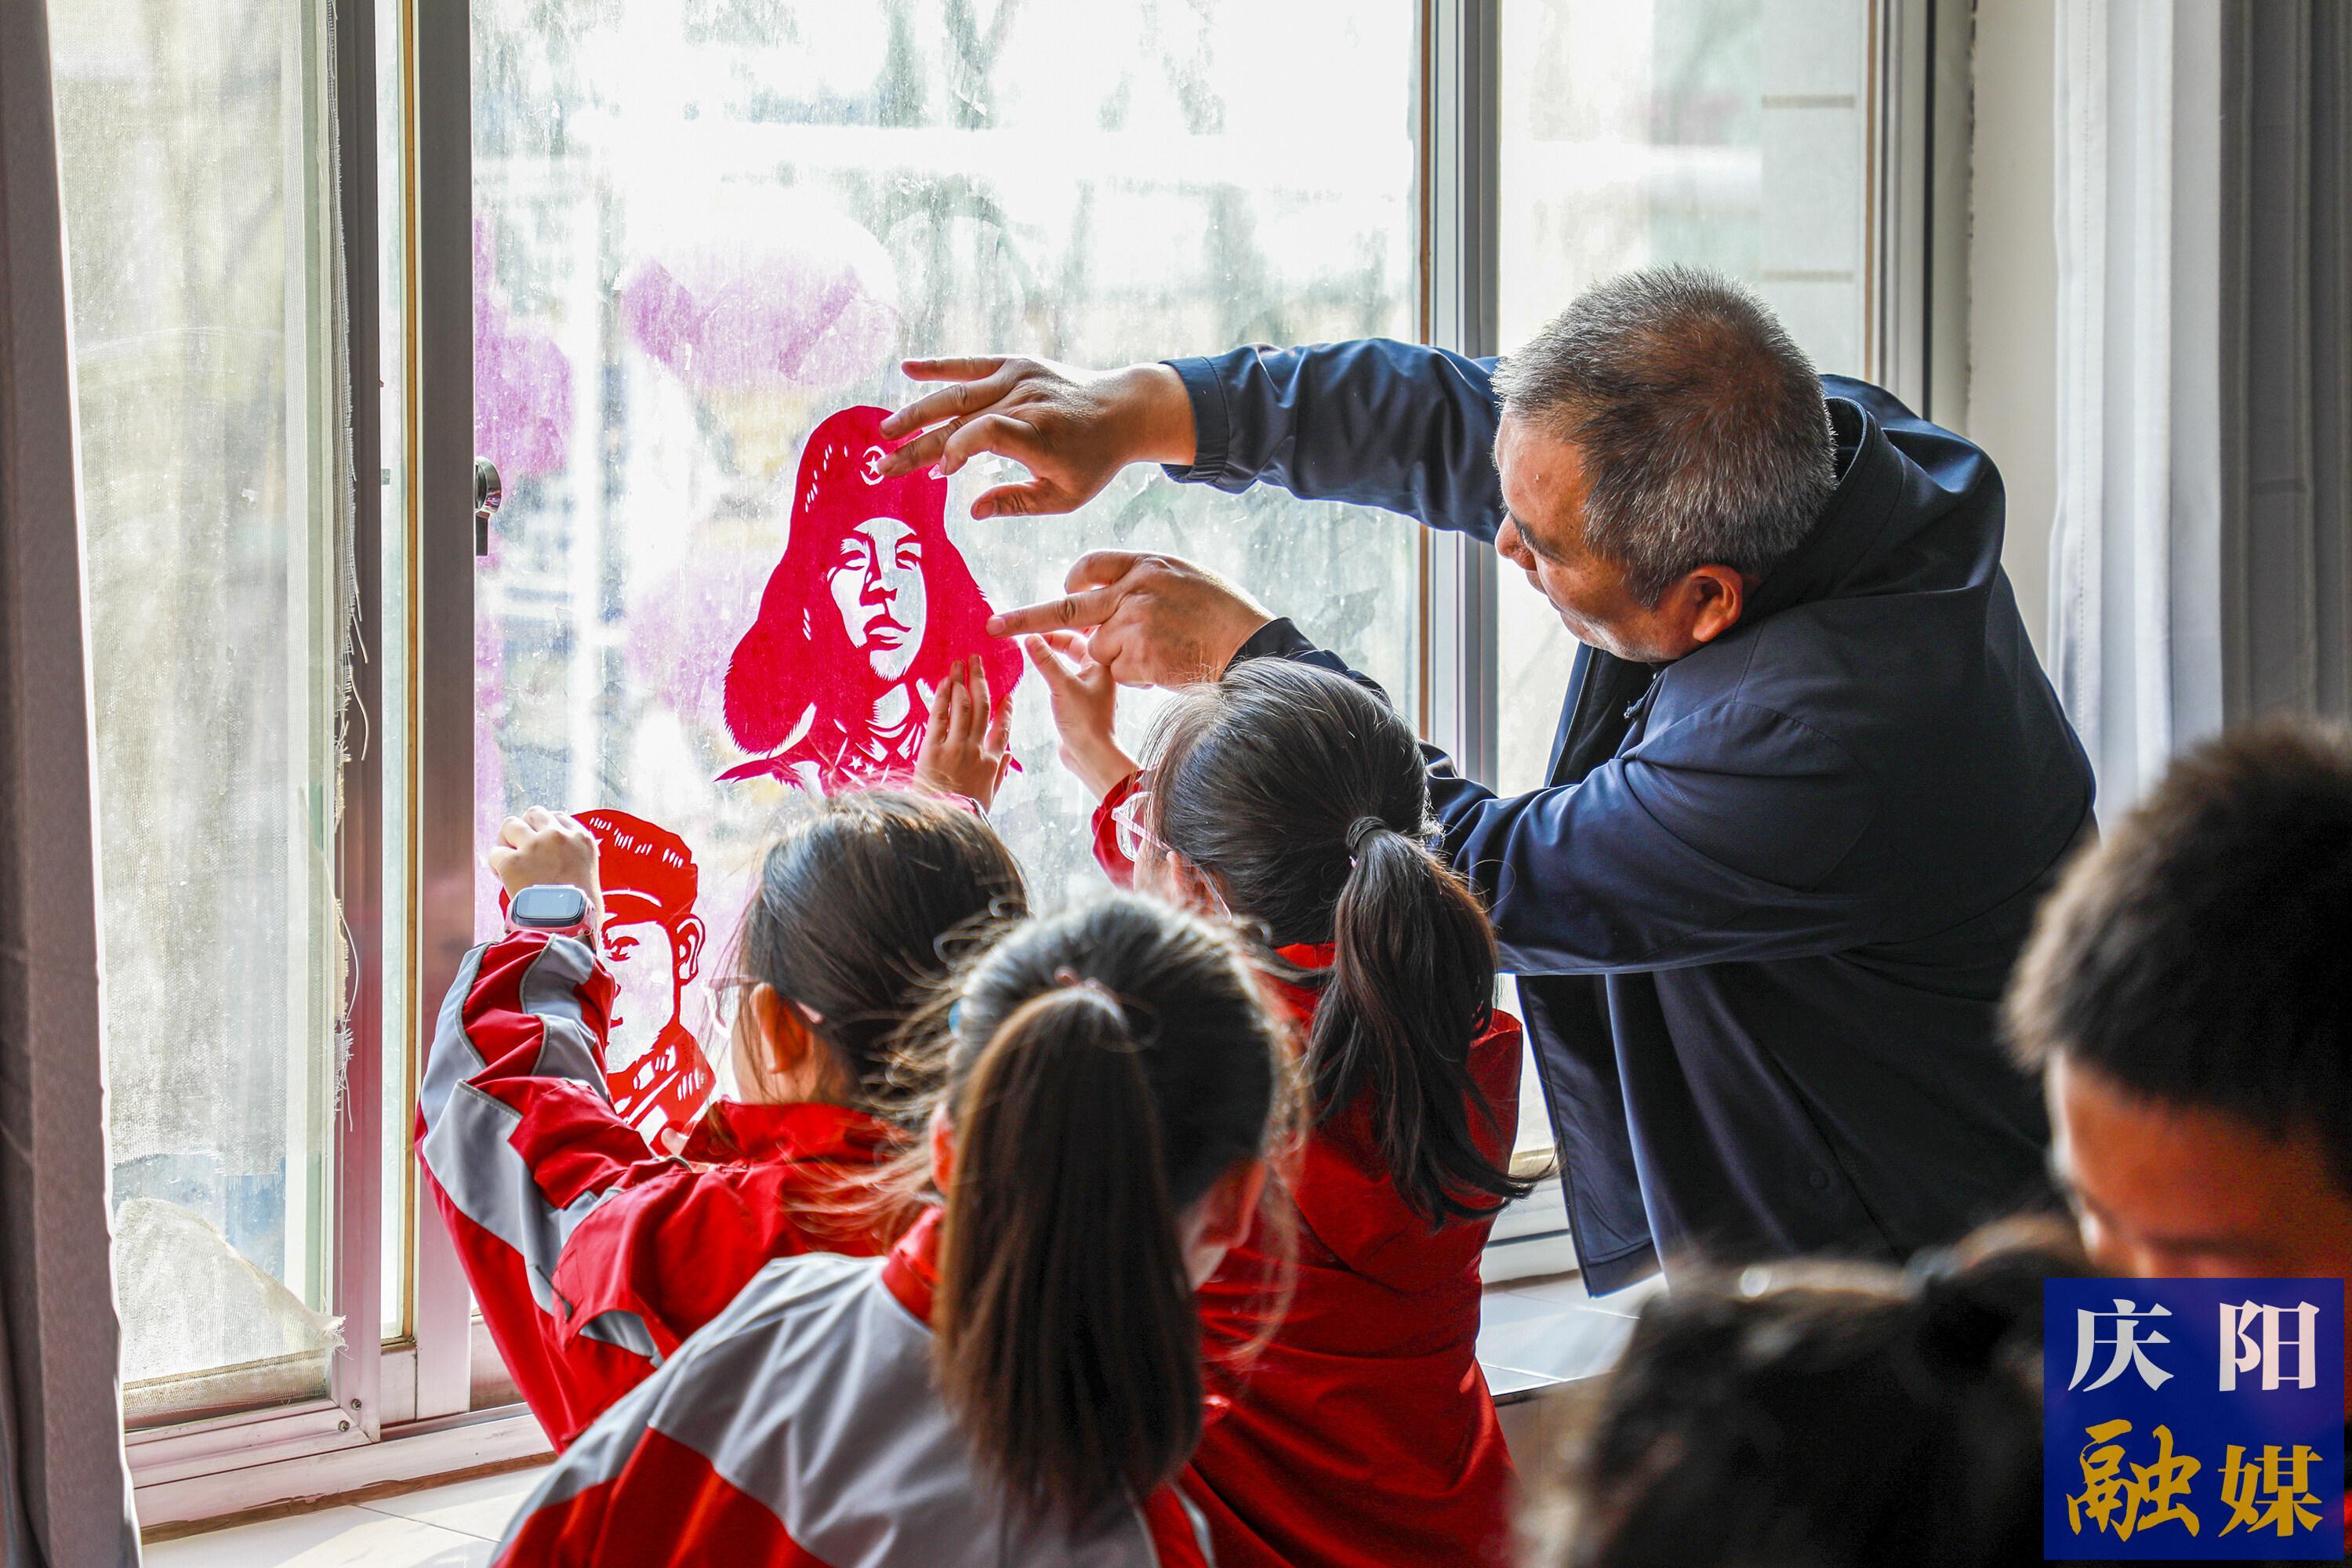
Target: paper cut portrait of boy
{"type": "Point", "coordinates": [654, 1067]}
{"type": "Point", "coordinates": [859, 621]}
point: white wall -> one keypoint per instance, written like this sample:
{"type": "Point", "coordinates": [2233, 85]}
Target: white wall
{"type": "Point", "coordinates": [2013, 282]}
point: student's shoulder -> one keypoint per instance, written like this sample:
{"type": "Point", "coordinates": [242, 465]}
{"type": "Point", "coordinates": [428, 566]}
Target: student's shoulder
{"type": "Point", "coordinates": [808, 1311]}
{"type": "Point", "coordinates": [792, 1298]}
{"type": "Point", "coordinates": [782, 1288]}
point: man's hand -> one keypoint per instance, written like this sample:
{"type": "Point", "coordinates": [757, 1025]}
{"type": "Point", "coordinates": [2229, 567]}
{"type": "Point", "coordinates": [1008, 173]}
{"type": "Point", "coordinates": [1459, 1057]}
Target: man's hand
{"type": "Point", "coordinates": [1072, 429]}
{"type": "Point", "coordinates": [1086, 707]}
{"type": "Point", "coordinates": [1156, 620]}
{"type": "Point", "coordinates": [547, 847]}
{"type": "Point", "coordinates": [964, 750]}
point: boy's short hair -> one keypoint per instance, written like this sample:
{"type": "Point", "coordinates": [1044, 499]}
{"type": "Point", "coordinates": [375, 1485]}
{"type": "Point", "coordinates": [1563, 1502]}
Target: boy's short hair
{"type": "Point", "coordinates": [2199, 955]}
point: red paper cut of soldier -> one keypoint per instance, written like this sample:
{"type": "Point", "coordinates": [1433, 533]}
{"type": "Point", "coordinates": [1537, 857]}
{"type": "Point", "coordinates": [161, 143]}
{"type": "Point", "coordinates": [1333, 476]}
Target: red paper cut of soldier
{"type": "Point", "coordinates": [654, 1067]}
{"type": "Point", "coordinates": [859, 622]}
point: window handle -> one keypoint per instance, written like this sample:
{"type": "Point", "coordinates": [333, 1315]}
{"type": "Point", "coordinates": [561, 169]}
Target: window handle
{"type": "Point", "coordinates": [488, 493]}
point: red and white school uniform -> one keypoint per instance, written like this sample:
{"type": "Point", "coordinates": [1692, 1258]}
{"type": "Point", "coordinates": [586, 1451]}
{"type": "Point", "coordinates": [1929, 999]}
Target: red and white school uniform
{"type": "Point", "coordinates": [802, 1429]}
{"type": "Point", "coordinates": [593, 1258]}
{"type": "Point", "coordinates": [1363, 1433]}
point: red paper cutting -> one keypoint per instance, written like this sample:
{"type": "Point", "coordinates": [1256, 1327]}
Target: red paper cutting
{"type": "Point", "coordinates": [654, 1067]}
{"type": "Point", "coordinates": [859, 621]}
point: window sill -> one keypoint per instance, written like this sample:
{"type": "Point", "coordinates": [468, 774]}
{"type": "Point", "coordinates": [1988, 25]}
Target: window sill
{"type": "Point", "coordinates": [404, 1459]}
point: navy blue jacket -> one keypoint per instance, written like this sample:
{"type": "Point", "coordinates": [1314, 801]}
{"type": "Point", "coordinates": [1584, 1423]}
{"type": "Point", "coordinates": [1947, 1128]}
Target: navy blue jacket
{"type": "Point", "coordinates": [1764, 913]}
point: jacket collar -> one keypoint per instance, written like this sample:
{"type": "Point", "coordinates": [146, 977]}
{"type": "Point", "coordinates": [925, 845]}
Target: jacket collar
{"type": "Point", "coordinates": [1850, 527]}
{"type": "Point", "coordinates": [911, 1270]}
{"type": "Point", "coordinates": [734, 1129]}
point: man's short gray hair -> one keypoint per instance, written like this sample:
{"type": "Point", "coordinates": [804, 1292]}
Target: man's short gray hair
{"type": "Point", "coordinates": [1698, 420]}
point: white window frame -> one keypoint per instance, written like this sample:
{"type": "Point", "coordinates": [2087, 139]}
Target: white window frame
{"type": "Point", "coordinates": [400, 1410]}
{"type": "Point", "coordinates": [403, 1410]}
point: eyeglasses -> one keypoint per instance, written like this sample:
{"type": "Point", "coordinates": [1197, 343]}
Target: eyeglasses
{"type": "Point", "coordinates": [1127, 822]}
{"type": "Point", "coordinates": [1155, 871]}
{"type": "Point", "coordinates": [727, 1001]}
{"type": "Point", "coordinates": [727, 1004]}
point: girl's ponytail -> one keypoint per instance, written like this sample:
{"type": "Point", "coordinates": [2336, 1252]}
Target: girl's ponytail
{"type": "Point", "coordinates": [1412, 985]}
{"type": "Point", "coordinates": [1046, 1347]}
{"type": "Point", "coordinates": [1108, 1067]}
{"type": "Point", "coordinates": [1305, 797]}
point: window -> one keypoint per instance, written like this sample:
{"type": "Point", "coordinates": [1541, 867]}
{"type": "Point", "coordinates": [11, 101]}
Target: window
{"type": "Point", "coordinates": [1732, 134]}
{"type": "Point", "coordinates": [701, 231]}
{"type": "Point", "coordinates": [687, 234]}
{"type": "Point", "coordinates": [204, 344]}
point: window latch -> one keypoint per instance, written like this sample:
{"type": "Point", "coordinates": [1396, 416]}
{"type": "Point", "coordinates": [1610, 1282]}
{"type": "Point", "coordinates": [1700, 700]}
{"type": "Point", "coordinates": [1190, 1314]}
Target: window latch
{"type": "Point", "coordinates": [488, 493]}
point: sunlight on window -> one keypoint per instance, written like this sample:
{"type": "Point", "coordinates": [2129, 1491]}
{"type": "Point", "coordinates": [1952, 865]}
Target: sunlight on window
{"type": "Point", "coordinates": [207, 442]}
{"type": "Point", "coordinates": [1721, 133]}
{"type": "Point", "coordinates": [701, 230]}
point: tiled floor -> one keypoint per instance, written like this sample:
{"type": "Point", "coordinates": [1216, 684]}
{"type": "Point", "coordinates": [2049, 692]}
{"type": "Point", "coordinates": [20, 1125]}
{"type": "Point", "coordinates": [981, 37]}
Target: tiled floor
{"type": "Point", "coordinates": [1537, 1333]}
{"type": "Point", "coordinates": [1534, 1333]}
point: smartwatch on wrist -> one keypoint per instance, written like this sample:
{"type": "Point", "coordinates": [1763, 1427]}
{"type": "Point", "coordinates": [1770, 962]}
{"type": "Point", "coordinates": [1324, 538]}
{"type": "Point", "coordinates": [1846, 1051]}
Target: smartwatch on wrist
{"type": "Point", "coordinates": [558, 909]}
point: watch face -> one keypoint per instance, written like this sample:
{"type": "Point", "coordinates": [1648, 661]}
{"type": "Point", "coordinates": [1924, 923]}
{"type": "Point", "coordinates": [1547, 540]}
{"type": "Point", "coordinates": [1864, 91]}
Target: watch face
{"type": "Point", "coordinates": [551, 906]}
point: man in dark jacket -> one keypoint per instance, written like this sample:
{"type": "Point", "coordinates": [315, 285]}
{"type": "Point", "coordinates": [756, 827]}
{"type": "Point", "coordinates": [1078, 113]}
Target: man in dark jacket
{"type": "Point", "coordinates": [1810, 782]}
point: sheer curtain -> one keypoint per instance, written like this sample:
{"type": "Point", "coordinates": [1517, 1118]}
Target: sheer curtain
{"type": "Point", "coordinates": [65, 1494]}
{"type": "Point", "coordinates": [2201, 562]}
{"type": "Point", "coordinates": [2134, 555]}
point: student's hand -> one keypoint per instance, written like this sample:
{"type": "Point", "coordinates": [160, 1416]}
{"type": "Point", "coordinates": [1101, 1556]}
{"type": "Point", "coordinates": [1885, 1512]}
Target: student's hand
{"type": "Point", "coordinates": [1156, 620]}
{"type": "Point", "coordinates": [1086, 702]}
{"type": "Point", "coordinates": [547, 847]}
{"type": "Point", "coordinates": [964, 750]}
{"type": "Point", "coordinates": [1072, 429]}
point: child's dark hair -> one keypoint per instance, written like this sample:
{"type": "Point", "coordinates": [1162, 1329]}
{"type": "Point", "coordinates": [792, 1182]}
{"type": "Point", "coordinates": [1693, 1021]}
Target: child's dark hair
{"type": "Point", "coordinates": [863, 907]}
{"type": "Point", "coordinates": [1828, 1414]}
{"type": "Point", "coordinates": [1305, 796]}
{"type": "Point", "coordinates": [2194, 956]}
{"type": "Point", "coordinates": [1105, 1068]}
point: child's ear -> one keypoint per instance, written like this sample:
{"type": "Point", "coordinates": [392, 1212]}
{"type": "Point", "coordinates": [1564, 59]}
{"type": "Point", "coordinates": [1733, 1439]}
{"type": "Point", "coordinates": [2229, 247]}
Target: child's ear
{"type": "Point", "coordinates": [1230, 1204]}
{"type": "Point", "coordinates": [1195, 888]}
{"type": "Point", "coordinates": [785, 1042]}
{"type": "Point", "coordinates": [794, 1063]}
{"type": "Point", "coordinates": [941, 1137]}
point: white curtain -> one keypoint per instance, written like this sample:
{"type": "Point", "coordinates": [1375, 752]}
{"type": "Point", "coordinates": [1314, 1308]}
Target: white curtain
{"type": "Point", "coordinates": [2136, 551]}
{"type": "Point", "coordinates": [65, 1491]}
{"type": "Point", "coordinates": [2201, 563]}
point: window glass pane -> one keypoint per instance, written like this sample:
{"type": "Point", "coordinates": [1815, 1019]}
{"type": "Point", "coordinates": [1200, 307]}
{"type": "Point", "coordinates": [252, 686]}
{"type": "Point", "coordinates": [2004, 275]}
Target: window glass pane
{"type": "Point", "coordinates": [702, 229]}
{"type": "Point", "coordinates": [1725, 133]}
{"type": "Point", "coordinates": [207, 440]}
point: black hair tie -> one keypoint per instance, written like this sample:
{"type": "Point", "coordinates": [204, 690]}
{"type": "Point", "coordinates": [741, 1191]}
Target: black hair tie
{"type": "Point", "coordinates": [1363, 827]}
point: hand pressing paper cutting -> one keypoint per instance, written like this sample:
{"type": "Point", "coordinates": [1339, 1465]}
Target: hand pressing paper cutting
{"type": "Point", "coordinates": [860, 623]}
{"type": "Point", "coordinates": [652, 939]}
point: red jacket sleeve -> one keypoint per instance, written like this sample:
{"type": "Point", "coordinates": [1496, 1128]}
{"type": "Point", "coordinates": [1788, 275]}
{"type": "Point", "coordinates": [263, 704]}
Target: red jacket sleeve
{"type": "Point", "coordinates": [519, 1143]}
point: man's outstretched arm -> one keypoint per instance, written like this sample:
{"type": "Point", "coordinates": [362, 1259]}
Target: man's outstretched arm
{"type": "Point", "coordinates": [1377, 423]}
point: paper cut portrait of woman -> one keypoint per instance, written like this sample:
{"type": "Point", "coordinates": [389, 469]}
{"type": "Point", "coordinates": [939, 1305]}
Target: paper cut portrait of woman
{"type": "Point", "coordinates": [859, 621]}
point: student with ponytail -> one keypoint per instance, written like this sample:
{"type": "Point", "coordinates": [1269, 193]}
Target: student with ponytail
{"type": "Point", "coordinates": [1295, 801]}
{"type": "Point", "coordinates": [1020, 1380]}
{"type": "Point", "coordinates": [593, 1257]}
